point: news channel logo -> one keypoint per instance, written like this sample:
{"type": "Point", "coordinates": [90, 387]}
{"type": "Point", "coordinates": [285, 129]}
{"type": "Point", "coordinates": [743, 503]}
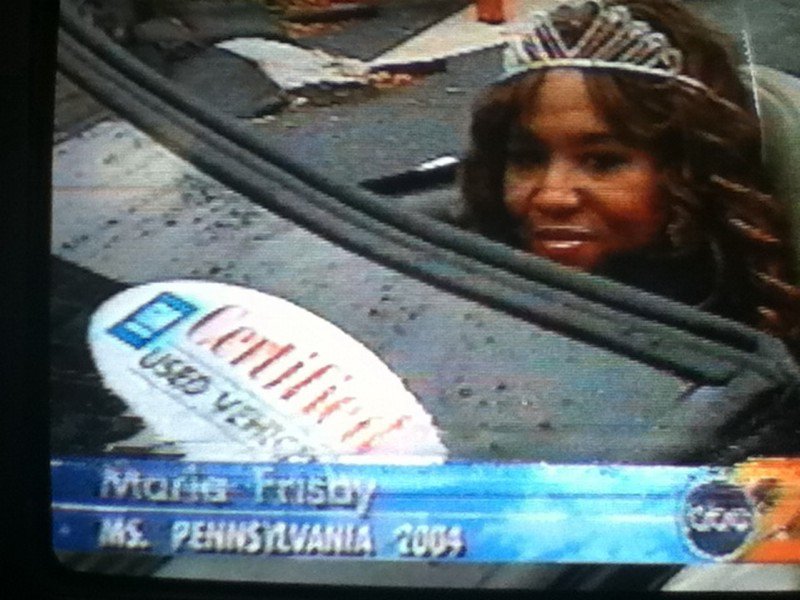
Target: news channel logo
{"type": "Point", "coordinates": [718, 519]}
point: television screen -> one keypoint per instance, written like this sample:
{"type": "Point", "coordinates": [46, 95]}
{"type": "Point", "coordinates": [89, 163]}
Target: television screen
{"type": "Point", "coordinates": [427, 294]}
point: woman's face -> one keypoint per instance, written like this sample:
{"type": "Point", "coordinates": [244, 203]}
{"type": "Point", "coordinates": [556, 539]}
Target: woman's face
{"type": "Point", "coordinates": [581, 194]}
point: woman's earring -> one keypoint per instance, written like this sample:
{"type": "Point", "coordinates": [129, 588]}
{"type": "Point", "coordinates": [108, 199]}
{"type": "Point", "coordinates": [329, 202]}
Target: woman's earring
{"type": "Point", "coordinates": [674, 235]}
{"type": "Point", "coordinates": [677, 230]}
{"type": "Point", "coordinates": [718, 259]}
{"type": "Point", "coordinates": [683, 233]}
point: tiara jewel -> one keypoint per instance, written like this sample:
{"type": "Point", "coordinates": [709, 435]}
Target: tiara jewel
{"type": "Point", "coordinates": [613, 40]}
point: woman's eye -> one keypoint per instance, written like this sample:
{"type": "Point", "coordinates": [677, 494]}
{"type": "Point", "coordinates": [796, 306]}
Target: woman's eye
{"type": "Point", "coordinates": [605, 162]}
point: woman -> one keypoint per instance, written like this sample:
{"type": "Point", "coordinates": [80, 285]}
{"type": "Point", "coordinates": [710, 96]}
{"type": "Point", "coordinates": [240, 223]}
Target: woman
{"type": "Point", "coordinates": [623, 142]}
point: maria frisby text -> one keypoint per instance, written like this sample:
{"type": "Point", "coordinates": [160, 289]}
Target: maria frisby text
{"type": "Point", "coordinates": [269, 488]}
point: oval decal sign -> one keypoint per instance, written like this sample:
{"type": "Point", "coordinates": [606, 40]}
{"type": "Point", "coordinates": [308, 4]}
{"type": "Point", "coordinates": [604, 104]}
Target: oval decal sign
{"type": "Point", "coordinates": [230, 373]}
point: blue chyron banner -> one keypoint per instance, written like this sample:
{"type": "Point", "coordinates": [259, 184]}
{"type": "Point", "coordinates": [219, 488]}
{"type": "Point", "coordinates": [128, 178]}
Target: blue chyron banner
{"type": "Point", "coordinates": [451, 512]}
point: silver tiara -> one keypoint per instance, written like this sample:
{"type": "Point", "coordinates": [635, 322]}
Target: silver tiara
{"type": "Point", "coordinates": [614, 40]}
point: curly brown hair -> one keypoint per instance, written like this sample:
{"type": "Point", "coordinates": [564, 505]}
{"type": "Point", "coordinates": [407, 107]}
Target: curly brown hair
{"type": "Point", "coordinates": [707, 145]}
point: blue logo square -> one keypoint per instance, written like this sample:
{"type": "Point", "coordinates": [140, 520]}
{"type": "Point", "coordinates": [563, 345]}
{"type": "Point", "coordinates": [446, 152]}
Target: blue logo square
{"type": "Point", "coordinates": [151, 320]}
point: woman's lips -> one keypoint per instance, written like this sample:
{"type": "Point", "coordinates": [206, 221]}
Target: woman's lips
{"type": "Point", "coordinates": [570, 245]}
{"type": "Point", "coordinates": [566, 244]}
{"type": "Point", "coordinates": [562, 236]}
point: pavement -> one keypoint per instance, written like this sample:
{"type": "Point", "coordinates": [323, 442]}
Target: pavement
{"type": "Point", "coordinates": [768, 29]}
{"type": "Point", "coordinates": [317, 96]}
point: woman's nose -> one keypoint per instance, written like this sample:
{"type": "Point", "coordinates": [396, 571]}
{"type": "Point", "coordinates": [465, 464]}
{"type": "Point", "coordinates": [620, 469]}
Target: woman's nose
{"type": "Point", "coordinates": [557, 193]}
